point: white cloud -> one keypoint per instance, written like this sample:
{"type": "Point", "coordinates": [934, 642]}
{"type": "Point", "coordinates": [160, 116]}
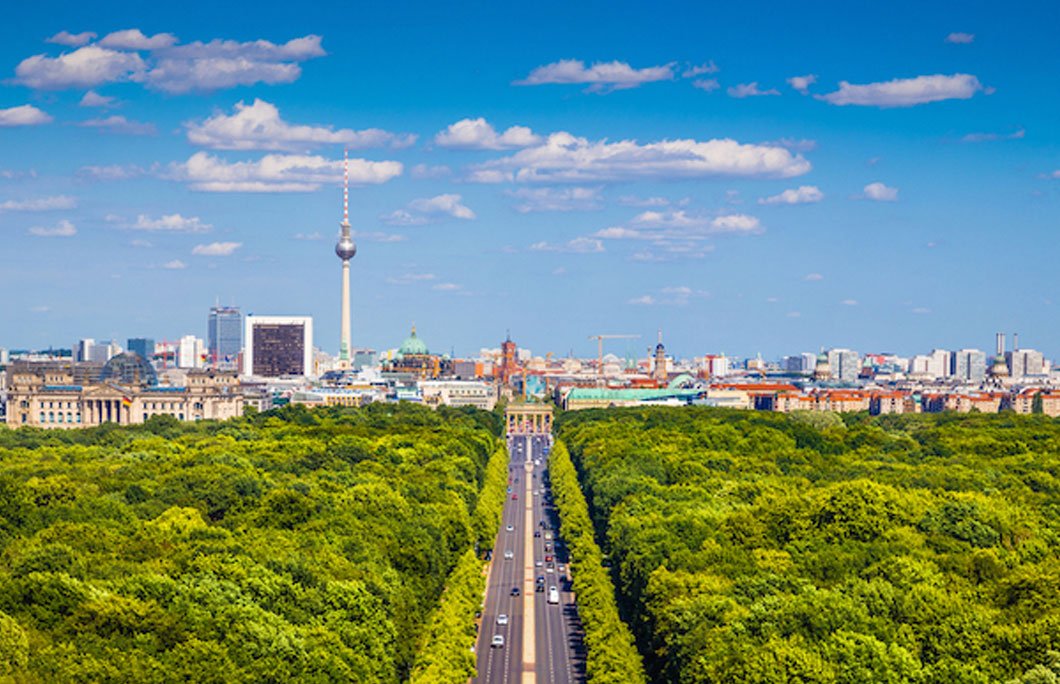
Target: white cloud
{"type": "Point", "coordinates": [964, 38]}
{"type": "Point", "coordinates": [905, 92]}
{"type": "Point", "coordinates": [41, 308]}
{"type": "Point", "coordinates": [794, 314]}
{"type": "Point", "coordinates": [83, 68]}
{"type": "Point", "coordinates": [735, 223]}
{"type": "Point", "coordinates": [489, 176]}
{"type": "Point", "coordinates": [110, 172]}
{"type": "Point", "coordinates": [708, 68]}
{"type": "Point", "coordinates": [308, 236]}
{"type": "Point", "coordinates": [197, 66]}
{"type": "Point", "coordinates": [40, 204]}
{"type": "Point", "coordinates": [634, 201]}
{"type": "Point", "coordinates": [401, 217]}
{"type": "Point", "coordinates": [802, 83]}
{"type": "Point", "coordinates": [71, 39]}
{"type": "Point", "coordinates": [602, 76]}
{"type": "Point", "coordinates": [799, 145]}
{"type": "Point", "coordinates": [442, 204]}
{"type": "Point", "coordinates": [987, 137]}
{"type": "Point", "coordinates": [94, 99]}
{"type": "Point", "coordinates": [707, 84]}
{"type": "Point", "coordinates": [879, 192]}
{"type": "Point", "coordinates": [175, 264]}
{"type": "Point", "coordinates": [276, 173]}
{"type": "Point", "coordinates": [1055, 174]}
{"type": "Point", "coordinates": [565, 158]}
{"type": "Point", "coordinates": [140, 243]}
{"type": "Point", "coordinates": [581, 245]}
{"type": "Point", "coordinates": [682, 290]}
{"type": "Point", "coordinates": [119, 124]}
{"type": "Point", "coordinates": [921, 310]}
{"type": "Point", "coordinates": [63, 229]}
{"type": "Point", "coordinates": [259, 127]}
{"type": "Point", "coordinates": [478, 134]}
{"type": "Point", "coordinates": [804, 194]}
{"type": "Point", "coordinates": [227, 63]}
{"type": "Point", "coordinates": [134, 39]}
{"type": "Point", "coordinates": [216, 248]}
{"type": "Point", "coordinates": [23, 115]}
{"type": "Point", "coordinates": [667, 226]}
{"type": "Point", "coordinates": [556, 199]}
{"type": "Point", "coordinates": [423, 209]}
{"type": "Point", "coordinates": [422, 171]}
{"type": "Point", "coordinates": [172, 223]}
{"type": "Point", "coordinates": [646, 300]}
{"type": "Point", "coordinates": [742, 90]}
{"type": "Point", "coordinates": [410, 278]}
{"type": "Point", "coordinates": [814, 276]}
{"type": "Point", "coordinates": [850, 302]}
{"type": "Point", "coordinates": [378, 236]}
{"type": "Point", "coordinates": [447, 287]}
{"type": "Point", "coordinates": [669, 219]}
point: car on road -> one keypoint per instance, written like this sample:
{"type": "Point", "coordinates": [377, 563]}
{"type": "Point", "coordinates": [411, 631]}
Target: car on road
{"type": "Point", "coordinates": [538, 563]}
{"type": "Point", "coordinates": [502, 619]}
{"type": "Point", "coordinates": [515, 496]}
{"type": "Point", "coordinates": [553, 595]}
{"type": "Point", "coordinates": [510, 528]}
{"type": "Point", "coordinates": [549, 568]}
{"type": "Point", "coordinates": [498, 641]}
{"type": "Point", "coordinates": [537, 533]}
{"type": "Point", "coordinates": [508, 555]}
{"type": "Point", "coordinates": [514, 591]}
{"type": "Point", "coordinates": [548, 559]}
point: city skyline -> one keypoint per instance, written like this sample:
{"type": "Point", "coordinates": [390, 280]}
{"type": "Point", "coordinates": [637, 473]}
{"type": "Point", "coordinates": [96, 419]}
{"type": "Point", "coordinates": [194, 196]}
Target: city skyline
{"type": "Point", "coordinates": [768, 187]}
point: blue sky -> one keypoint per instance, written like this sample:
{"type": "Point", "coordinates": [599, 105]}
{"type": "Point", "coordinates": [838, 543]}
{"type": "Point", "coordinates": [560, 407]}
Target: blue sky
{"type": "Point", "coordinates": [747, 177]}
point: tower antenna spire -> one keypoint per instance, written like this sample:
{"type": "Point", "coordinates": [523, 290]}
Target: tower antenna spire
{"type": "Point", "coordinates": [345, 186]}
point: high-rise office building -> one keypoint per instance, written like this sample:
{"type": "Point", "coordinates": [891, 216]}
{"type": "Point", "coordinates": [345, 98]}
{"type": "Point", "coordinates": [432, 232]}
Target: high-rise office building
{"type": "Point", "coordinates": [224, 337]}
{"type": "Point", "coordinates": [968, 364]}
{"type": "Point", "coordinates": [144, 346]}
{"type": "Point", "coordinates": [844, 364]}
{"type": "Point", "coordinates": [191, 352]}
{"type": "Point", "coordinates": [278, 346]}
{"type": "Point", "coordinates": [800, 363]}
{"type": "Point", "coordinates": [1024, 362]}
{"type": "Point", "coordinates": [98, 352]}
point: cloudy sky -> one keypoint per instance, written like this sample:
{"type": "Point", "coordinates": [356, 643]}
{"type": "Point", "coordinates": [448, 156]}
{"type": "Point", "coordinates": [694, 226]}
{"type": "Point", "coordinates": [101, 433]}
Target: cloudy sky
{"type": "Point", "coordinates": [747, 180]}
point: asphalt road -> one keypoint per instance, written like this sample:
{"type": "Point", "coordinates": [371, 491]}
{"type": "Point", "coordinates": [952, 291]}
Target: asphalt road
{"type": "Point", "coordinates": [542, 641]}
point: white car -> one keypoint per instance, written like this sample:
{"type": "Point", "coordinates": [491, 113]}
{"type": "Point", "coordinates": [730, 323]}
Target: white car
{"type": "Point", "coordinates": [502, 619]}
{"type": "Point", "coordinates": [508, 555]}
{"type": "Point", "coordinates": [549, 569]}
{"type": "Point", "coordinates": [538, 563]}
{"type": "Point", "coordinates": [498, 641]}
{"type": "Point", "coordinates": [510, 528]}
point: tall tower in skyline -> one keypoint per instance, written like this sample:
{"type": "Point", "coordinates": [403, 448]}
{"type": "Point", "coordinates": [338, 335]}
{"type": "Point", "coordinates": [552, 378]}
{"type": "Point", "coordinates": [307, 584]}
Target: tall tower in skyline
{"type": "Point", "coordinates": [345, 249]}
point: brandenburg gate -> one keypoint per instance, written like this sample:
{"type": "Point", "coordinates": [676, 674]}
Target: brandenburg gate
{"type": "Point", "coordinates": [528, 419]}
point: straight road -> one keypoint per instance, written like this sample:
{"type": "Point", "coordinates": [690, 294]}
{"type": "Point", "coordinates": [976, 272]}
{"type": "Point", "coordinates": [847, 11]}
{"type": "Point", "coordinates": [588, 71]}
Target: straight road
{"type": "Point", "coordinates": [542, 641]}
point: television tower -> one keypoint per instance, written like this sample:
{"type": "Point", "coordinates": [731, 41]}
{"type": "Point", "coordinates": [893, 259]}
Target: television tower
{"type": "Point", "coordinates": [345, 249]}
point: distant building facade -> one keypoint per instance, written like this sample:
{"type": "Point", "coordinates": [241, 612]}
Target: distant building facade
{"type": "Point", "coordinates": [968, 365]}
{"type": "Point", "coordinates": [144, 346]}
{"type": "Point", "coordinates": [278, 345]}
{"type": "Point", "coordinates": [224, 336]}
{"type": "Point", "coordinates": [844, 364]}
{"type": "Point", "coordinates": [49, 398]}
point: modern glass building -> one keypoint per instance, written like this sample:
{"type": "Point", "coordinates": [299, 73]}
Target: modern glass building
{"type": "Point", "coordinates": [224, 338]}
{"type": "Point", "coordinates": [144, 346]}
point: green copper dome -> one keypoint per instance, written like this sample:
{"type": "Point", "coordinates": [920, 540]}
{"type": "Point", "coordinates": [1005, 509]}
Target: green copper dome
{"type": "Point", "coordinates": [412, 345]}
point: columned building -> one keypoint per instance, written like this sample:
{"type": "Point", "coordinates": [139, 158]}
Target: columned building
{"type": "Point", "coordinates": [47, 398]}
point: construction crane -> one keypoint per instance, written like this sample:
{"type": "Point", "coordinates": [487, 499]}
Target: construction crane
{"type": "Point", "coordinates": [600, 348]}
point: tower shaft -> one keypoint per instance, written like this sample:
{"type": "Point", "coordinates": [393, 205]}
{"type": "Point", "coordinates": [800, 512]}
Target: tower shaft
{"type": "Point", "coordinates": [344, 350]}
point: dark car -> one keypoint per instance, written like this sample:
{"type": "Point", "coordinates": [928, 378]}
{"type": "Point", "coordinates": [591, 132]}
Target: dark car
{"type": "Point", "coordinates": [515, 591]}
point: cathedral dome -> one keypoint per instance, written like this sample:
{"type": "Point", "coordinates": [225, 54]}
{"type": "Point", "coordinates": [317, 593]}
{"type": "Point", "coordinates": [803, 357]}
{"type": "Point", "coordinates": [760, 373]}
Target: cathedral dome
{"type": "Point", "coordinates": [413, 345]}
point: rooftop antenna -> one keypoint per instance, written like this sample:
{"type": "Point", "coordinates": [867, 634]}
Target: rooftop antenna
{"type": "Point", "coordinates": [345, 186]}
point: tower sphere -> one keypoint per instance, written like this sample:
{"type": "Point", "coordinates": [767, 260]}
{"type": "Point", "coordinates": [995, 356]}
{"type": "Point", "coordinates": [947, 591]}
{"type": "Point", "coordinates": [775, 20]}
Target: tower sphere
{"type": "Point", "coordinates": [345, 248]}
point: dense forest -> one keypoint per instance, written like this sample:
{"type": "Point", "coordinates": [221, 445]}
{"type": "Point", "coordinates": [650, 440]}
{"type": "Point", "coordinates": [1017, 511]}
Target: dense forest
{"type": "Point", "coordinates": [295, 545]}
{"type": "Point", "coordinates": [761, 547]}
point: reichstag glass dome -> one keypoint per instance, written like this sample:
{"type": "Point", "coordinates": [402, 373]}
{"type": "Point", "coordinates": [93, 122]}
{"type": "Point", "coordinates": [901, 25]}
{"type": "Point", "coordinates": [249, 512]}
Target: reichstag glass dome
{"type": "Point", "coordinates": [129, 369]}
